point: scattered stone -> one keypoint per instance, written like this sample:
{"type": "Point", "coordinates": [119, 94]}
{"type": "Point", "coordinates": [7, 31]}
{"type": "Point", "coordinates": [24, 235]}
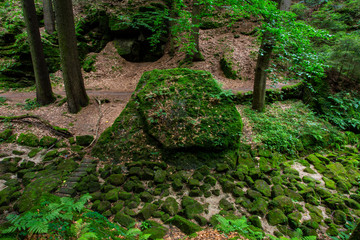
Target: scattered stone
{"type": "Point", "coordinates": [275, 217]}
{"type": "Point", "coordinates": [263, 187]}
{"type": "Point", "coordinates": [116, 179]}
{"type": "Point", "coordinates": [124, 220]}
{"type": "Point", "coordinates": [147, 211]}
{"type": "Point", "coordinates": [184, 225]}
{"type": "Point", "coordinates": [47, 141]}
{"type": "Point", "coordinates": [170, 206]}
{"type": "Point", "coordinates": [28, 139]}
{"type": "Point", "coordinates": [339, 217]}
{"type": "Point", "coordinates": [225, 205]}
{"type": "Point", "coordinates": [283, 203]}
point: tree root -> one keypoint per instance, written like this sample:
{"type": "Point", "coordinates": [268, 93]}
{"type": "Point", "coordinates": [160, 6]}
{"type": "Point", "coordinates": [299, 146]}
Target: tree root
{"type": "Point", "coordinates": [56, 130]}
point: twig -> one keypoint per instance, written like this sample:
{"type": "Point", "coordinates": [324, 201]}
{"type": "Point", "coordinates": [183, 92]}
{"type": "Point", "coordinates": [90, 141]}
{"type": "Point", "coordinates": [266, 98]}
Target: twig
{"type": "Point", "coordinates": [60, 132]}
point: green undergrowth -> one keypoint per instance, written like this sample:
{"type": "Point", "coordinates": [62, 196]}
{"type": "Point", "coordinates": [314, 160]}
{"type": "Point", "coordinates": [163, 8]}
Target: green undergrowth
{"type": "Point", "coordinates": [65, 218]}
{"type": "Point", "coordinates": [290, 127]}
{"type": "Point", "coordinates": [342, 110]}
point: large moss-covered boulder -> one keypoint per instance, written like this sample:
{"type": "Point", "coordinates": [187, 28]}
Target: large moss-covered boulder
{"type": "Point", "coordinates": [179, 115]}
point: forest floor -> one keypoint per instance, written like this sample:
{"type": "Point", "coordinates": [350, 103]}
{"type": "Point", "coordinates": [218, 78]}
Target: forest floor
{"type": "Point", "coordinates": [114, 80]}
{"type": "Point", "coordinates": [111, 85]}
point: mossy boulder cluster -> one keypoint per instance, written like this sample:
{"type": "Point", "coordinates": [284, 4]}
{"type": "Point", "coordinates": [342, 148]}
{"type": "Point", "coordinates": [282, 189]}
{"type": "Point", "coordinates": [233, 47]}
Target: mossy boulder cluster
{"type": "Point", "coordinates": [178, 115]}
{"type": "Point", "coordinates": [312, 193]}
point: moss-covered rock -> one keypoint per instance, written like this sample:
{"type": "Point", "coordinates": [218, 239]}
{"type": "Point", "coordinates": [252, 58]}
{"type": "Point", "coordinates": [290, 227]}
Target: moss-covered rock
{"type": "Point", "coordinates": [84, 140]}
{"type": "Point", "coordinates": [116, 179]}
{"type": "Point", "coordinates": [276, 216]}
{"type": "Point", "coordinates": [5, 135]}
{"type": "Point", "coordinates": [339, 217]}
{"type": "Point", "coordinates": [170, 206]}
{"type": "Point", "coordinates": [225, 205]}
{"type": "Point", "coordinates": [124, 220]}
{"type": "Point", "coordinates": [226, 64]}
{"type": "Point", "coordinates": [28, 139]}
{"type": "Point", "coordinates": [283, 203]}
{"type": "Point", "coordinates": [46, 182]}
{"type": "Point", "coordinates": [47, 141]}
{"type": "Point", "coordinates": [184, 225]}
{"type": "Point", "coordinates": [147, 211]}
{"type": "Point", "coordinates": [263, 187]}
{"type": "Point", "coordinates": [259, 207]}
{"type": "Point", "coordinates": [191, 207]}
{"type": "Point", "coordinates": [294, 219]}
{"type": "Point", "coordinates": [335, 203]}
{"type": "Point", "coordinates": [171, 112]}
{"type": "Point", "coordinates": [112, 195]}
{"type": "Point", "coordinates": [156, 230]}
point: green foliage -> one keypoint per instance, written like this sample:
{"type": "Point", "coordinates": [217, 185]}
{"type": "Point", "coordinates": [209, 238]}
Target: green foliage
{"type": "Point", "coordinates": [343, 110]}
{"type": "Point", "coordinates": [290, 127]}
{"type": "Point", "coordinates": [344, 235]}
{"type": "Point", "coordinates": [237, 225]}
{"type": "Point", "coordinates": [2, 101]}
{"type": "Point", "coordinates": [88, 63]}
{"type": "Point", "coordinates": [31, 104]}
{"type": "Point", "coordinates": [52, 217]}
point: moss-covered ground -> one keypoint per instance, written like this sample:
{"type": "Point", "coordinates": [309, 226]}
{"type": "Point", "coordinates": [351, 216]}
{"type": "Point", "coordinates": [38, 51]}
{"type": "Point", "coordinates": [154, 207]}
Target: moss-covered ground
{"type": "Point", "coordinates": [305, 181]}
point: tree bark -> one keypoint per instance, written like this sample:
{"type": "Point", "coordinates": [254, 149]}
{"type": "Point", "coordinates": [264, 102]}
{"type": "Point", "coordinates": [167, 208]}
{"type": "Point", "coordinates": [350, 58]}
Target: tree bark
{"type": "Point", "coordinates": [49, 16]}
{"type": "Point", "coordinates": [195, 54]}
{"type": "Point", "coordinates": [70, 64]}
{"type": "Point", "coordinates": [262, 64]}
{"type": "Point", "coordinates": [44, 94]}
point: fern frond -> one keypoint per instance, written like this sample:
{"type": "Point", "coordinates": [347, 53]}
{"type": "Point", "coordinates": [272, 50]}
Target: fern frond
{"type": "Point", "coordinates": [133, 232]}
{"type": "Point", "coordinates": [11, 217]}
{"type": "Point", "coordinates": [88, 236]}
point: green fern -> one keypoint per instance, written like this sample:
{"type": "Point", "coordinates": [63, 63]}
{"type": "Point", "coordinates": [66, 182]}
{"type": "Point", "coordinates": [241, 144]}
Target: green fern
{"type": "Point", "coordinates": [38, 222]}
{"type": "Point", "coordinates": [238, 225]}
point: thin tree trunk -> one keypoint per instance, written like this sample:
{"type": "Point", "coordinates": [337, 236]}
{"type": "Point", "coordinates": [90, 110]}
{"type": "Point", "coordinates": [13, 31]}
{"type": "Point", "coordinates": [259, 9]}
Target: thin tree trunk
{"type": "Point", "coordinates": [70, 64]}
{"type": "Point", "coordinates": [195, 55]}
{"type": "Point", "coordinates": [49, 16]}
{"type": "Point", "coordinates": [44, 94]}
{"type": "Point", "coordinates": [262, 64]}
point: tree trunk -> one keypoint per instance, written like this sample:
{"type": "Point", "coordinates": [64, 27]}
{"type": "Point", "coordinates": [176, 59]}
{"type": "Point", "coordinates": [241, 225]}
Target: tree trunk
{"type": "Point", "coordinates": [70, 64]}
{"type": "Point", "coordinates": [49, 16]}
{"type": "Point", "coordinates": [44, 93]}
{"type": "Point", "coordinates": [195, 54]}
{"type": "Point", "coordinates": [262, 64]}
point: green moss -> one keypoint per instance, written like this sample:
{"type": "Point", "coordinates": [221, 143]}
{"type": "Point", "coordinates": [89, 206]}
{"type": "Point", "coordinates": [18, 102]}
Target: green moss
{"type": "Point", "coordinates": [46, 182]}
{"type": "Point", "coordinates": [28, 139]}
{"type": "Point", "coordinates": [147, 211]}
{"type": "Point", "coordinates": [226, 65]}
{"type": "Point", "coordinates": [263, 187]}
{"type": "Point", "coordinates": [5, 135]}
{"type": "Point", "coordinates": [184, 225]}
{"type": "Point", "coordinates": [47, 141]}
{"type": "Point", "coordinates": [276, 217]}
{"type": "Point", "coordinates": [170, 206]}
{"type": "Point", "coordinates": [124, 220]}
{"type": "Point", "coordinates": [182, 101]}
{"type": "Point", "coordinates": [116, 179]}
{"type": "Point", "coordinates": [84, 140]}
{"type": "Point", "coordinates": [191, 207]}
{"type": "Point", "coordinates": [259, 207]}
{"type": "Point", "coordinates": [33, 152]}
{"type": "Point", "coordinates": [284, 203]}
